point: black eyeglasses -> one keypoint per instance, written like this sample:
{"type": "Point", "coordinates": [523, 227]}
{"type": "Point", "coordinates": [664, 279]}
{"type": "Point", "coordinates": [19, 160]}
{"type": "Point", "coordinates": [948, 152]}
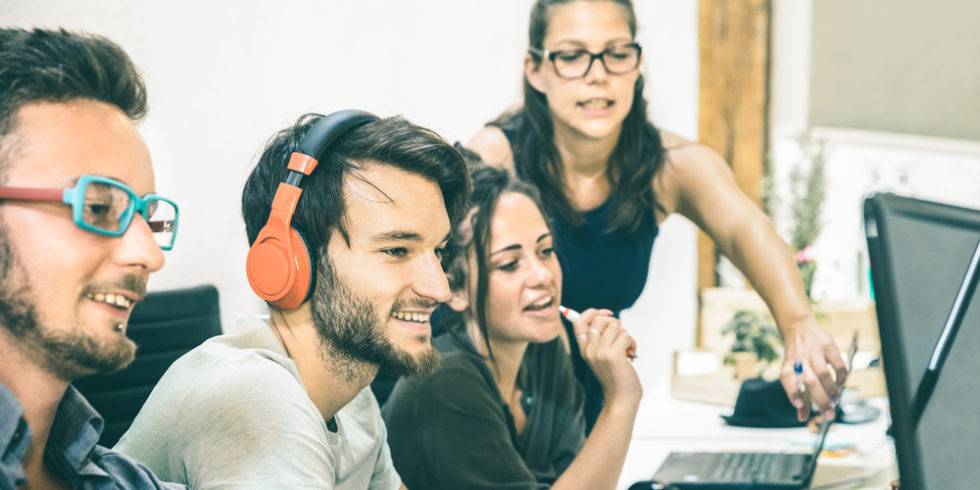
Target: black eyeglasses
{"type": "Point", "coordinates": [576, 63]}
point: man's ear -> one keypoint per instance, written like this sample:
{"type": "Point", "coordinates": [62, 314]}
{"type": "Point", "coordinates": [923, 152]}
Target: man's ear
{"type": "Point", "coordinates": [532, 72]}
{"type": "Point", "coordinates": [459, 301]}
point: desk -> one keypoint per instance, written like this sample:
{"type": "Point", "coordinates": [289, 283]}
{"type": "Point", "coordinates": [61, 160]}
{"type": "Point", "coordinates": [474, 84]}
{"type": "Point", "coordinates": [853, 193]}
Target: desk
{"type": "Point", "coordinates": [666, 424]}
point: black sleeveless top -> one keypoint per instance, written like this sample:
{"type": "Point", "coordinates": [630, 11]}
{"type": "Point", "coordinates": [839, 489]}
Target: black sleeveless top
{"type": "Point", "coordinates": [600, 269]}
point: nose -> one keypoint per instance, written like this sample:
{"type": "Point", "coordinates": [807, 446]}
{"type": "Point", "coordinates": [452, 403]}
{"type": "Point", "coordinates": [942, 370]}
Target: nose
{"type": "Point", "coordinates": [597, 70]}
{"type": "Point", "coordinates": [138, 248]}
{"type": "Point", "coordinates": [430, 281]}
{"type": "Point", "coordinates": [539, 274]}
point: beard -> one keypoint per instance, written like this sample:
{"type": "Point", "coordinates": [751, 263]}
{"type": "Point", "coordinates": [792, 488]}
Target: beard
{"type": "Point", "coordinates": [350, 327]}
{"type": "Point", "coordinates": [68, 354]}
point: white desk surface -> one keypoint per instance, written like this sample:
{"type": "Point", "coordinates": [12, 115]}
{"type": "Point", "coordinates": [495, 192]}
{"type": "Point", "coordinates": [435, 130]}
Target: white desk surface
{"type": "Point", "coordinates": [665, 424]}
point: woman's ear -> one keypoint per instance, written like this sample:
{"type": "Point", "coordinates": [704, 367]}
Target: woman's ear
{"type": "Point", "coordinates": [532, 72]}
{"type": "Point", "coordinates": [459, 301]}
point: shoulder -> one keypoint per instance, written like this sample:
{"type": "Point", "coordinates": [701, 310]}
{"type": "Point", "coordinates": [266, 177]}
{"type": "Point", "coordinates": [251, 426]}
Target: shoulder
{"type": "Point", "coordinates": [247, 382]}
{"type": "Point", "coordinates": [683, 154]}
{"type": "Point", "coordinates": [493, 147]}
{"type": "Point", "coordinates": [127, 472]}
{"type": "Point", "coordinates": [226, 392]}
{"type": "Point", "coordinates": [689, 166]}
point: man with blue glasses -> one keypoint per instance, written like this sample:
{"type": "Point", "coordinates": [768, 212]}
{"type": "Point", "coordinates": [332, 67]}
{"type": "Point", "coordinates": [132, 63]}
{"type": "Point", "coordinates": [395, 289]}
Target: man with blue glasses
{"type": "Point", "coordinates": [81, 229]}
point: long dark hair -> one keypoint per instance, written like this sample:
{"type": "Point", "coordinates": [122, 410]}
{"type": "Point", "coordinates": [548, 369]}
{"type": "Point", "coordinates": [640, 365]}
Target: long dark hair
{"type": "Point", "coordinates": [638, 154]}
{"type": "Point", "coordinates": [489, 183]}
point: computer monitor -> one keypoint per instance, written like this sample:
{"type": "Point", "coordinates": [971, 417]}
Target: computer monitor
{"type": "Point", "coordinates": [920, 252]}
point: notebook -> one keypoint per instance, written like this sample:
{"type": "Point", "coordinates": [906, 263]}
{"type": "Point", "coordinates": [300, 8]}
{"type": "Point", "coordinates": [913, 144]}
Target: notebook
{"type": "Point", "coordinates": [743, 470]}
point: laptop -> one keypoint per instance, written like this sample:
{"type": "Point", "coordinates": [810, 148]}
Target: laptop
{"type": "Point", "coordinates": [924, 261]}
{"type": "Point", "coordinates": [744, 470]}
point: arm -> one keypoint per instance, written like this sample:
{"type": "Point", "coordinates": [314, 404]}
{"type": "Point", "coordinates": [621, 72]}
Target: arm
{"type": "Point", "coordinates": [696, 182]}
{"type": "Point", "coordinates": [603, 343]}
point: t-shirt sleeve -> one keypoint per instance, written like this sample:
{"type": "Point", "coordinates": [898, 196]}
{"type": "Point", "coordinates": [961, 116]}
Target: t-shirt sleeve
{"type": "Point", "coordinates": [249, 428]}
{"type": "Point", "coordinates": [455, 435]}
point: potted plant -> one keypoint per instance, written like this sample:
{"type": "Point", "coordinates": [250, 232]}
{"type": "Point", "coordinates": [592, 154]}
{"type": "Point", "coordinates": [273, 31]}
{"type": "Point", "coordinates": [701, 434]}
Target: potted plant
{"type": "Point", "coordinates": [755, 334]}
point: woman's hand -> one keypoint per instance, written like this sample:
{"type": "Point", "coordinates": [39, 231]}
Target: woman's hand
{"type": "Point", "coordinates": [824, 371]}
{"type": "Point", "coordinates": [605, 345]}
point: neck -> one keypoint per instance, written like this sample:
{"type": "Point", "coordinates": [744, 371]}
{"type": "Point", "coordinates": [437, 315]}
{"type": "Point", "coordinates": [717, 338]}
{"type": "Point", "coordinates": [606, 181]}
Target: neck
{"type": "Point", "coordinates": [331, 379]}
{"type": "Point", "coordinates": [37, 390]}
{"type": "Point", "coordinates": [507, 358]}
{"type": "Point", "coordinates": [583, 156]}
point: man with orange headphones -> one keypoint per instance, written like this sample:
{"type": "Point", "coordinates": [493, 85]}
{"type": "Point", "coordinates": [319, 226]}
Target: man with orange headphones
{"type": "Point", "coordinates": [349, 259]}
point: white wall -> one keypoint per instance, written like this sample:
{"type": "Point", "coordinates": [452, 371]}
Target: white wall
{"type": "Point", "coordinates": [224, 75]}
{"type": "Point", "coordinates": [857, 162]}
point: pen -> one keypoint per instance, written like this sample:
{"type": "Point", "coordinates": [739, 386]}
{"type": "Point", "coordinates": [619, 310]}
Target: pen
{"type": "Point", "coordinates": [572, 315]}
{"type": "Point", "coordinates": [798, 369]}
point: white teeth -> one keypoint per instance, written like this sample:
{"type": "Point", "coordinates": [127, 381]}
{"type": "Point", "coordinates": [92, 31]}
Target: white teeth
{"type": "Point", "coordinates": [411, 317]}
{"type": "Point", "coordinates": [542, 302]}
{"type": "Point", "coordinates": [116, 300]}
{"type": "Point", "coordinates": [596, 103]}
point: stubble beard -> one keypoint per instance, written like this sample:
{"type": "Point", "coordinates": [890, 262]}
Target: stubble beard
{"type": "Point", "coordinates": [351, 330]}
{"type": "Point", "coordinates": [67, 355]}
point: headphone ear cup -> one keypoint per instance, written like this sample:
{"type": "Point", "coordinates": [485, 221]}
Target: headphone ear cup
{"type": "Point", "coordinates": [306, 267]}
{"type": "Point", "coordinates": [279, 270]}
{"type": "Point", "coordinates": [300, 288]}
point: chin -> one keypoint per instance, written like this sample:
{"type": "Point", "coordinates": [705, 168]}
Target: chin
{"type": "Point", "coordinates": [598, 128]}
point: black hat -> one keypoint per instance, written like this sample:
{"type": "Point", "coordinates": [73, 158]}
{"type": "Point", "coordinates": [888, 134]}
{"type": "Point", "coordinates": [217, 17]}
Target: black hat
{"type": "Point", "coordinates": [763, 403]}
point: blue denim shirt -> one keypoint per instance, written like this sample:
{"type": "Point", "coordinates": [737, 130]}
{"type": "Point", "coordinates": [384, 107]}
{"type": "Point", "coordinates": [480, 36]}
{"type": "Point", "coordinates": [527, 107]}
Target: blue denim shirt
{"type": "Point", "coordinates": [71, 450]}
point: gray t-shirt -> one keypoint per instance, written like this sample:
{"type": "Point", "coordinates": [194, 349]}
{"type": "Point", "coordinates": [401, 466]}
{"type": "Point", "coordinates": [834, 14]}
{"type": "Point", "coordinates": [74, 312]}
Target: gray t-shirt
{"type": "Point", "coordinates": [233, 413]}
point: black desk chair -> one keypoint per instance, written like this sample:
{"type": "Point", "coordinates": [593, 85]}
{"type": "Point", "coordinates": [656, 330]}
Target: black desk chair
{"type": "Point", "coordinates": [165, 325]}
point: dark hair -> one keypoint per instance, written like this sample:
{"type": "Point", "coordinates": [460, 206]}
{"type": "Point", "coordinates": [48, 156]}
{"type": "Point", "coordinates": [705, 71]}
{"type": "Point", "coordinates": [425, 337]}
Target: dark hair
{"type": "Point", "coordinates": [638, 155]}
{"type": "Point", "coordinates": [60, 66]}
{"type": "Point", "coordinates": [489, 183]}
{"type": "Point", "coordinates": [391, 141]}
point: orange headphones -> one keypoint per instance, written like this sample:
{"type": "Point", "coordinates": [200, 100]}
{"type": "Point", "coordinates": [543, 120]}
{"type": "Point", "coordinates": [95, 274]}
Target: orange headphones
{"type": "Point", "coordinates": [279, 266]}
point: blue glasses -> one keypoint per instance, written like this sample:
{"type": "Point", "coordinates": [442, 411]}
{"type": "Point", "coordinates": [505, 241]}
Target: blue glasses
{"type": "Point", "coordinates": [106, 206]}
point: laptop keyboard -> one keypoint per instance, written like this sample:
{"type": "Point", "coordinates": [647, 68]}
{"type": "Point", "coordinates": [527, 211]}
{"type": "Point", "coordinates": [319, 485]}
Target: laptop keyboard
{"type": "Point", "coordinates": [747, 467]}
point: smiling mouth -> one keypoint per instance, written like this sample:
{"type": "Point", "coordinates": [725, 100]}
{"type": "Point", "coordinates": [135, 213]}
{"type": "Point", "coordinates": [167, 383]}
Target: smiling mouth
{"type": "Point", "coordinates": [595, 103]}
{"type": "Point", "coordinates": [540, 304]}
{"type": "Point", "coordinates": [114, 300]}
{"type": "Point", "coordinates": [410, 316]}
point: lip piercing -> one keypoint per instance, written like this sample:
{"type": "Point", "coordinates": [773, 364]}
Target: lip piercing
{"type": "Point", "coordinates": [119, 327]}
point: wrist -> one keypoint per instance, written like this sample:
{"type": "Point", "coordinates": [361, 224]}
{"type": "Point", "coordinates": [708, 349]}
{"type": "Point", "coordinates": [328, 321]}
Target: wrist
{"type": "Point", "coordinates": [622, 402]}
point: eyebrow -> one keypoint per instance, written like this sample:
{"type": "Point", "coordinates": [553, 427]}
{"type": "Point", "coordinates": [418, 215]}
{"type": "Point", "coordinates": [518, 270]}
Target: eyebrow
{"type": "Point", "coordinates": [581, 44]}
{"type": "Point", "coordinates": [517, 246]}
{"type": "Point", "coordinates": [399, 235]}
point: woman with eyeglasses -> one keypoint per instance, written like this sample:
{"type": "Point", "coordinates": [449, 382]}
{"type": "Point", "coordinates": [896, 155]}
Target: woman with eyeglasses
{"type": "Point", "coordinates": [504, 410]}
{"type": "Point", "coordinates": [608, 178]}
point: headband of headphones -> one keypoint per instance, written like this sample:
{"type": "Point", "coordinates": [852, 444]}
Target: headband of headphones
{"type": "Point", "coordinates": [279, 266]}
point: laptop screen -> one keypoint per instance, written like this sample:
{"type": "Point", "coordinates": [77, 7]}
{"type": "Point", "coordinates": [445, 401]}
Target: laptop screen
{"type": "Point", "coordinates": [919, 253]}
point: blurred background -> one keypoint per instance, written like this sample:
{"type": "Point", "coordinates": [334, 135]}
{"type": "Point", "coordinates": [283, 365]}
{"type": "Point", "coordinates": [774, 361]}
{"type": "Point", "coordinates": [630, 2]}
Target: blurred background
{"type": "Point", "coordinates": [814, 104]}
